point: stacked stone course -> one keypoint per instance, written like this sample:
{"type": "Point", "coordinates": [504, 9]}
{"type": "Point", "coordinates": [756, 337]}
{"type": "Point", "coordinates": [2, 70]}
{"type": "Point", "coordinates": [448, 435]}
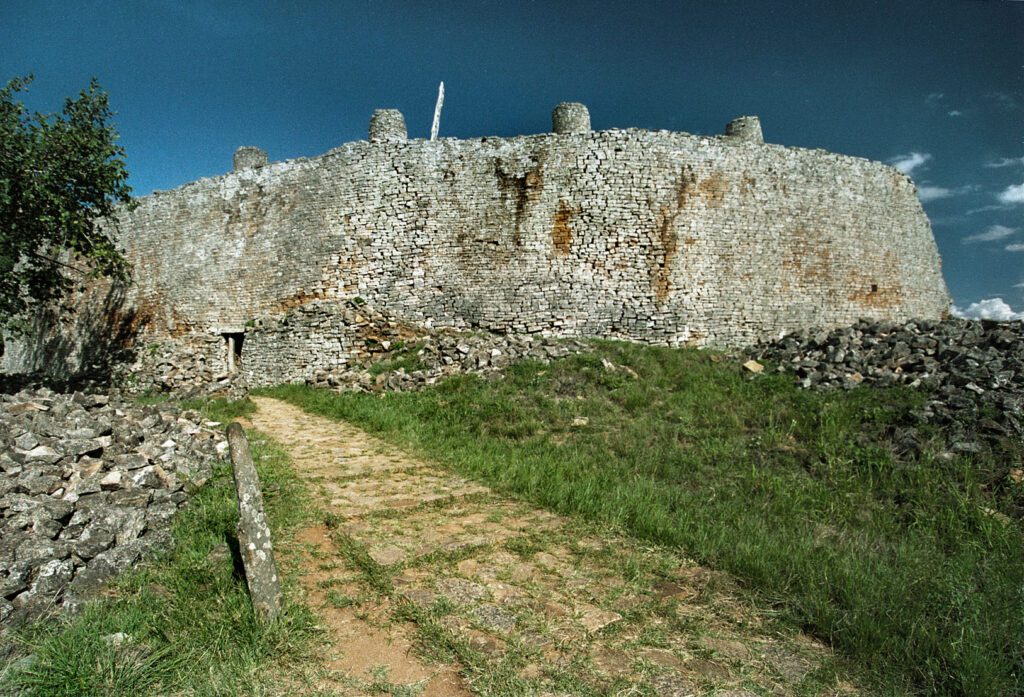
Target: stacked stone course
{"type": "Point", "coordinates": [570, 117]}
{"type": "Point", "coordinates": [657, 237]}
{"type": "Point", "coordinates": [387, 124]}
{"type": "Point", "coordinates": [745, 128]}
{"type": "Point", "coordinates": [249, 157]}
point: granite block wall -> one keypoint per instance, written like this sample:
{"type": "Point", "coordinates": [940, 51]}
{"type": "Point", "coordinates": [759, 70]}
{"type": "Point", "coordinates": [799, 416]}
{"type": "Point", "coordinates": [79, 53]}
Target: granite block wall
{"type": "Point", "coordinates": [651, 236]}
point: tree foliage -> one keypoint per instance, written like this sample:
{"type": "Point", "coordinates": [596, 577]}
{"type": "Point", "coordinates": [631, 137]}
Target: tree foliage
{"type": "Point", "coordinates": [59, 175]}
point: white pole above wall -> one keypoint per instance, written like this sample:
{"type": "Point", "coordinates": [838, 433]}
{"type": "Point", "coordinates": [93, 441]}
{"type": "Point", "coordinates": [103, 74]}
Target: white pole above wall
{"type": "Point", "coordinates": [437, 112]}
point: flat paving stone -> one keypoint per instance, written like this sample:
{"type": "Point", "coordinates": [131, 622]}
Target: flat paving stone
{"type": "Point", "coordinates": [594, 607]}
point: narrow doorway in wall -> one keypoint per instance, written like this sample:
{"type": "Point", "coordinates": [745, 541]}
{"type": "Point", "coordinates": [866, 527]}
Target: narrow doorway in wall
{"type": "Point", "coordinates": [233, 349]}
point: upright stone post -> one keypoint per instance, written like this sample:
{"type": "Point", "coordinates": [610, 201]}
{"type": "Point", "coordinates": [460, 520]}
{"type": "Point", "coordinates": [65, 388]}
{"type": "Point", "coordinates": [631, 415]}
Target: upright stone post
{"type": "Point", "coordinates": [746, 128]}
{"type": "Point", "coordinates": [387, 125]}
{"type": "Point", "coordinates": [570, 117]}
{"type": "Point", "coordinates": [231, 354]}
{"type": "Point", "coordinates": [436, 125]}
{"type": "Point", "coordinates": [253, 530]}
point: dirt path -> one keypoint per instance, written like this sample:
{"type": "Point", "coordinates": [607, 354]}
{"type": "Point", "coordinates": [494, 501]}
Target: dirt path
{"type": "Point", "coordinates": [430, 584]}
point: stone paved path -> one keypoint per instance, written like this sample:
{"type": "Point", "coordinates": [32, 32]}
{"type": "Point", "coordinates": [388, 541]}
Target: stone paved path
{"type": "Point", "coordinates": [431, 584]}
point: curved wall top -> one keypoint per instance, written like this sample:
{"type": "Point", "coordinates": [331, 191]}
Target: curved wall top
{"type": "Point", "coordinates": [652, 236]}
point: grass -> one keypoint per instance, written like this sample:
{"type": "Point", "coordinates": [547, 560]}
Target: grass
{"type": "Point", "coordinates": [220, 409]}
{"type": "Point", "coordinates": [435, 642]}
{"type": "Point", "coordinates": [400, 357]}
{"type": "Point", "coordinates": [894, 559]}
{"type": "Point", "coordinates": [188, 624]}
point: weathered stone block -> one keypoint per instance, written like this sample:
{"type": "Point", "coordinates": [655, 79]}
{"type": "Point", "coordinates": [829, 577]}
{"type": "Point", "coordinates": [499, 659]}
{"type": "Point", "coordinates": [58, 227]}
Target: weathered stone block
{"type": "Point", "coordinates": [254, 530]}
{"type": "Point", "coordinates": [746, 128]}
{"type": "Point", "coordinates": [248, 157]}
{"type": "Point", "coordinates": [570, 117]}
{"type": "Point", "coordinates": [387, 125]}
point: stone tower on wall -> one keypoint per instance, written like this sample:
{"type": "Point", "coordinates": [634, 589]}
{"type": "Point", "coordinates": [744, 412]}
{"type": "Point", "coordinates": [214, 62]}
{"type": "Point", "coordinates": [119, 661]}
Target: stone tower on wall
{"type": "Point", "coordinates": [570, 117]}
{"type": "Point", "coordinates": [658, 237]}
{"type": "Point", "coordinates": [387, 125]}
{"type": "Point", "coordinates": [746, 128]}
{"type": "Point", "coordinates": [249, 158]}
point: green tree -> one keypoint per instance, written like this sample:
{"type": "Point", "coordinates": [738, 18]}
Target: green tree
{"type": "Point", "coordinates": [59, 175]}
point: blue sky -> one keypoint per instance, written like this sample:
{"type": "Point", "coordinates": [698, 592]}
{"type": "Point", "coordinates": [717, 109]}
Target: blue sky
{"type": "Point", "coordinates": [934, 86]}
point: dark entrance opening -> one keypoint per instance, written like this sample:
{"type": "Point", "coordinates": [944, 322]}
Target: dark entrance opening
{"type": "Point", "coordinates": [233, 348]}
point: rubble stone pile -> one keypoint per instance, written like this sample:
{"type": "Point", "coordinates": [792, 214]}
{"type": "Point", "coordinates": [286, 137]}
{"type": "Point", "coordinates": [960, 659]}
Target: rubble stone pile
{"type": "Point", "coordinates": [88, 486]}
{"type": "Point", "coordinates": [434, 357]}
{"type": "Point", "coordinates": [973, 370]}
{"type": "Point", "coordinates": [188, 373]}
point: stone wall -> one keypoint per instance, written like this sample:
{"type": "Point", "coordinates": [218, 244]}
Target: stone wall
{"type": "Point", "coordinates": [320, 335]}
{"type": "Point", "coordinates": [650, 236]}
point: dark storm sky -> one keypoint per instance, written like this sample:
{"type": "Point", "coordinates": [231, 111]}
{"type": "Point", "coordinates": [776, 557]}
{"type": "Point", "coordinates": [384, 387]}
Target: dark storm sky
{"type": "Point", "coordinates": [936, 86]}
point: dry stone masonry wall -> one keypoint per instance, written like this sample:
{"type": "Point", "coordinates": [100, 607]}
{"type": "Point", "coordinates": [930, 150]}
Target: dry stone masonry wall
{"type": "Point", "coordinates": [745, 128]}
{"type": "Point", "coordinates": [249, 157]}
{"type": "Point", "coordinates": [387, 124]}
{"type": "Point", "coordinates": [656, 237]}
{"type": "Point", "coordinates": [570, 117]}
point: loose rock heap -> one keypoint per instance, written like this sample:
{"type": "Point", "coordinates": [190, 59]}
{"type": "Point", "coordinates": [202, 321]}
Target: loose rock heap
{"type": "Point", "coordinates": [188, 372]}
{"type": "Point", "coordinates": [434, 357]}
{"type": "Point", "coordinates": [88, 486]}
{"type": "Point", "coordinates": [973, 370]}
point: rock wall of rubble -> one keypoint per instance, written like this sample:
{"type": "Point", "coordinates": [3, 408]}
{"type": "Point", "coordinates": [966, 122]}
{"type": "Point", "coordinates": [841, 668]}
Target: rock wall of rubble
{"type": "Point", "coordinates": [650, 236]}
{"type": "Point", "coordinates": [88, 486]}
{"type": "Point", "coordinates": [973, 373]}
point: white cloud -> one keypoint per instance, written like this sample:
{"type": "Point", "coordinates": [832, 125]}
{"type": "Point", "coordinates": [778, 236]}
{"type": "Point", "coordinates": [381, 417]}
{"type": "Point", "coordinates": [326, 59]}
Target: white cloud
{"type": "Point", "coordinates": [1019, 285]}
{"type": "Point", "coordinates": [994, 232]}
{"type": "Point", "coordinates": [1016, 247]}
{"type": "Point", "coordinates": [909, 162]}
{"type": "Point", "coordinates": [933, 193]}
{"type": "Point", "coordinates": [1007, 100]}
{"type": "Point", "coordinates": [988, 208]}
{"type": "Point", "coordinates": [934, 97]}
{"type": "Point", "coordinates": [927, 193]}
{"type": "Point", "coordinates": [955, 112]}
{"type": "Point", "coordinates": [943, 220]}
{"type": "Point", "coordinates": [991, 308]}
{"type": "Point", "coordinates": [1006, 162]}
{"type": "Point", "coordinates": [1012, 194]}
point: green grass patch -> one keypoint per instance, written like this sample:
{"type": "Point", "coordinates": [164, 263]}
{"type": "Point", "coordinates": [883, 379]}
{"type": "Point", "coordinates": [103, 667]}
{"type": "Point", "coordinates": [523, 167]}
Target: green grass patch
{"type": "Point", "coordinates": [341, 600]}
{"type": "Point", "coordinates": [400, 357]}
{"type": "Point", "coordinates": [223, 410]}
{"type": "Point", "coordinates": [187, 622]}
{"type": "Point", "coordinates": [896, 560]}
{"type": "Point", "coordinates": [151, 397]}
{"type": "Point", "coordinates": [220, 409]}
{"type": "Point", "coordinates": [373, 574]}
